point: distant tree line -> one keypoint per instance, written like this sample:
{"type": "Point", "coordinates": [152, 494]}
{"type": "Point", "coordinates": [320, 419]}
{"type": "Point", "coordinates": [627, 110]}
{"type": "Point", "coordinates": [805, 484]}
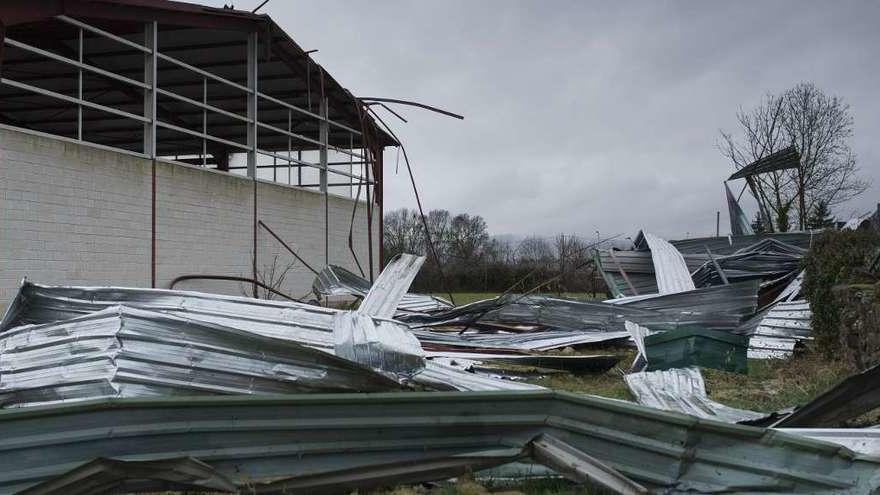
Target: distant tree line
{"type": "Point", "coordinates": [472, 260]}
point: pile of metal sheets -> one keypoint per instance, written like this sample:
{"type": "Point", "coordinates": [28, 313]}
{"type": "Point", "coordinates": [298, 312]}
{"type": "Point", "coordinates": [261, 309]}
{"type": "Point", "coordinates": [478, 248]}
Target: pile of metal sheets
{"type": "Point", "coordinates": [127, 352]}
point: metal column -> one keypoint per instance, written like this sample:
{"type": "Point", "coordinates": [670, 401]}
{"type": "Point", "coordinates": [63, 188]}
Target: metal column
{"type": "Point", "coordinates": [252, 75]}
{"type": "Point", "coordinates": [151, 42]}
{"type": "Point", "coordinates": [325, 139]}
{"type": "Point", "coordinates": [150, 65]}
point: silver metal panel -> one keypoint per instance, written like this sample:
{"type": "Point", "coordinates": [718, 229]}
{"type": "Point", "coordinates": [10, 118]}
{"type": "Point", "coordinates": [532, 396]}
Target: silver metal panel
{"type": "Point", "coordinates": [388, 290]}
{"type": "Point", "coordinates": [385, 346]}
{"type": "Point", "coordinates": [301, 323]}
{"type": "Point", "coordinates": [672, 273]}
{"type": "Point", "coordinates": [683, 390]}
{"type": "Point", "coordinates": [126, 352]}
{"type": "Point", "coordinates": [337, 281]}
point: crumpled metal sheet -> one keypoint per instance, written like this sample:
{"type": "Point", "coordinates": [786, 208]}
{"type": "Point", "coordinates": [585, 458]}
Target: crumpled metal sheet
{"type": "Point", "coordinates": [683, 390]}
{"type": "Point", "coordinates": [440, 376]}
{"type": "Point", "coordinates": [391, 286]}
{"type": "Point", "coordinates": [722, 307]}
{"type": "Point", "coordinates": [532, 341]}
{"type": "Point", "coordinates": [739, 222]}
{"type": "Point", "coordinates": [265, 440]}
{"type": "Point", "coordinates": [595, 321]}
{"type": "Point", "coordinates": [581, 467]}
{"type": "Point", "coordinates": [384, 346]}
{"type": "Point", "coordinates": [775, 331]}
{"type": "Point", "coordinates": [111, 476]}
{"type": "Point", "coordinates": [127, 352]}
{"type": "Point", "coordinates": [302, 323]}
{"type": "Point", "coordinates": [670, 268]}
{"type": "Point", "coordinates": [337, 281]}
{"type": "Point", "coordinates": [730, 244]}
{"type": "Point", "coordinates": [571, 363]}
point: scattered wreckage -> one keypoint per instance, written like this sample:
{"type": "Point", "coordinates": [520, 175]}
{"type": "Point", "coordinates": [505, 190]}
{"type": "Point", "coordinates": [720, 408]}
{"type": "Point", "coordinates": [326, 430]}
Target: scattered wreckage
{"type": "Point", "coordinates": [107, 388]}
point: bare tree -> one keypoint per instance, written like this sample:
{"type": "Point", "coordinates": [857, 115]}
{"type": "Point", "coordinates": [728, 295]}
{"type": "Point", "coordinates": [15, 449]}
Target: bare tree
{"type": "Point", "coordinates": [467, 237]}
{"type": "Point", "coordinates": [532, 250]}
{"type": "Point", "coordinates": [403, 233]}
{"type": "Point", "coordinates": [272, 275]}
{"type": "Point", "coordinates": [819, 126]}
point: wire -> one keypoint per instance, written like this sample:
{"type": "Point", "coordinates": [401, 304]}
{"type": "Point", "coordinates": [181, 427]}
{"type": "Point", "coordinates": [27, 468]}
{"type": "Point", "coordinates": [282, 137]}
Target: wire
{"type": "Point", "coordinates": [413, 104]}
{"type": "Point", "coordinates": [419, 204]}
{"type": "Point", "coordinates": [259, 6]}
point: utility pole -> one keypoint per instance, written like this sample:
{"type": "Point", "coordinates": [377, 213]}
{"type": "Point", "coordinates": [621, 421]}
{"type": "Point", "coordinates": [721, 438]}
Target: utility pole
{"type": "Point", "coordinates": [717, 224]}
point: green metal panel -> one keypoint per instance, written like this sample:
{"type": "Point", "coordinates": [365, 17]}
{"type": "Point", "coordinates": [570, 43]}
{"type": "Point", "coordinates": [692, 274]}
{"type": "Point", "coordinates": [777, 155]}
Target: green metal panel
{"type": "Point", "coordinates": [691, 346]}
{"type": "Point", "coordinates": [273, 442]}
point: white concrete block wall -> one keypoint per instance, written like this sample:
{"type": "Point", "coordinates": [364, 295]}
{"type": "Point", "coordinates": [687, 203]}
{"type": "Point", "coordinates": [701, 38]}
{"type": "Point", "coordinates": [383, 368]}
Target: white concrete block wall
{"type": "Point", "coordinates": [75, 214]}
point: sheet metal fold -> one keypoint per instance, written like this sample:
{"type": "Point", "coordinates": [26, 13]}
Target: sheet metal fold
{"type": "Point", "coordinates": [112, 476]}
{"type": "Point", "coordinates": [671, 270]}
{"type": "Point", "coordinates": [337, 281]}
{"type": "Point", "coordinates": [683, 390]}
{"type": "Point", "coordinates": [265, 439]}
{"type": "Point", "coordinates": [127, 352]}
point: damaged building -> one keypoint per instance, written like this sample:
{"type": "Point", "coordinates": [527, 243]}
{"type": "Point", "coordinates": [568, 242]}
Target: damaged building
{"type": "Point", "coordinates": [146, 141]}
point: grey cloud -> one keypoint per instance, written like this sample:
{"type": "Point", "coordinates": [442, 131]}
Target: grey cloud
{"type": "Point", "coordinates": [584, 115]}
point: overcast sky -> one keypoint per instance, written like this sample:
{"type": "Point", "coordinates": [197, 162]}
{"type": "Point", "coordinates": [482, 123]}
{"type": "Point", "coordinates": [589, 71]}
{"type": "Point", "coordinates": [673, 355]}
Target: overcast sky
{"type": "Point", "coordinates": [584, 116]}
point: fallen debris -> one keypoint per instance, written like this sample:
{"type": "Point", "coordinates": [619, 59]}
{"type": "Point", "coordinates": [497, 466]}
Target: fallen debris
{"type": "Point", "coordinates": [368, 440]}
{"type": "Point", "coordinates": [777, 330]}
{"type": "Point", "coordinates": [117, 476]}
{"type": "Point", "coordinates": [128, 352]}
{"type": "Point", "coordinates": [683, 390]}
{"type": "Point", "coordinates": [337, 281]}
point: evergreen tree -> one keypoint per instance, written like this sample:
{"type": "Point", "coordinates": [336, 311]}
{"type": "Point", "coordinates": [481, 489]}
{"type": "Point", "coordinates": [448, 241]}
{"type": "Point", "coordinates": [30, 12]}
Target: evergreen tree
{"type": "Point", "coordinates": [820, 217]}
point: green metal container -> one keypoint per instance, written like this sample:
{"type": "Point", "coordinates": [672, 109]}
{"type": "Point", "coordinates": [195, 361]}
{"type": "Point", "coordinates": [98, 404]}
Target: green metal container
{"type": "Point", "coordinates": [697, 347]}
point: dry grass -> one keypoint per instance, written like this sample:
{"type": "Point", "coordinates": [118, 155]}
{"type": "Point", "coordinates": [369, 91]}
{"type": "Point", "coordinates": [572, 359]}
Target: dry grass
{"type": "Point", "coordinates": [769, 386]}
{"type": "Point", "coordinates": [774, 384]}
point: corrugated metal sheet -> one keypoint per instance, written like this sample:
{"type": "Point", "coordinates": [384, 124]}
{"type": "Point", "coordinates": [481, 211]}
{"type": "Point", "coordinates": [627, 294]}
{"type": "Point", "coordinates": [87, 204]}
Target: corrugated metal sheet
{"type": "Point", "coordinates": [392, 284]}
{"type": "Point", "coordinates": [113, 476]}
{"type": "Point", "coordinates": [337, 281]}
{"type": "Point", "coordinates": [532, 341]}
{"type": "Point", "coordinates": [384, 346]}
{"type": "Point", "coordinates": [683, 390]}
{"type": "Point", "coordinates": [301, 323]}
{"type": "Point", "coordinates": [721, 307]}
{"type": "Point", "coordinates": [739, 222]}
{"type": "Point", "coordinates": [127, 352]}
{"type": "Point", "coordinates": [672, 273]}
{"type": "Point", "coordinates": [327, 438]}
{"type": "Point", "coordinates": [862, 440]}
{"type": "Point", "coordinates": [783, 159]}
{"type": "Point", "coordinates": [774, 332]}
{"type": "Point", "coordinates": [731, 244]}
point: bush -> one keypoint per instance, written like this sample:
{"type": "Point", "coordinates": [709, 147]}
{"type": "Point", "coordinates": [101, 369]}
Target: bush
{"type": "Point", "coordinates": [836, 258]}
